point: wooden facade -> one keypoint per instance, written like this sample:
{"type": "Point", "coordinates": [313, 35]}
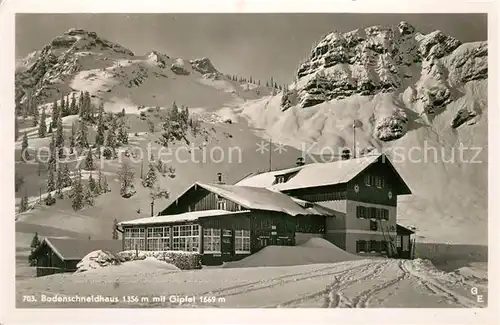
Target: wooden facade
{"type": "Point", "coordinates": [360, 215]}
{"type": "Point", "coordinates": [48, 262]}
{"type": "Point", "coordinates": [265, 228]}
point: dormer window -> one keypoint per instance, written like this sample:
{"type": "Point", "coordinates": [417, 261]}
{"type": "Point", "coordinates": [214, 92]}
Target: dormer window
{"type": "Point", "coordinates": [280, 179]}
{"type": "Point", "coordinates": [221, 203]}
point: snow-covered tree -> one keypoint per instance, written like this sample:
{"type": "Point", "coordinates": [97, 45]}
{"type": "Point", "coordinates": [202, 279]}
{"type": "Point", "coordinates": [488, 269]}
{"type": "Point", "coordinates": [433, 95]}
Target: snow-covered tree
{"type": "Point", "coordinates": [151, 178]}
{"type": "Point", "coordinates": [111, 140]}
{"type": "Point", "coordinates": [24, 147]}
{"type": "Point", "coordinates": [115, 230]}
{"type": "Point", "coordinates": [60, 182]}
{"type": "Point", "coordinates": [93, 188]}
{"type": "Point", "coordinates": [55, 114]}
{"type": "Point", "coordinates": [66, 177]}
{"type": "Point", "coordinates": [64, 109]}
{"type": "Point", "coordinates": [36, 114]}
{"type": "Point", "coordinates": [77, 192]}
{"type": "Point", "coordinates": [42, 127]}
{"type": "Point", "coordinates": [81, 136]}
{"type": "Point", "coordinates": [89, 160]}
{"type": "Point", "coordinates": [50, 200]}
{"type": "Point", "coordinates": [35, 242]}
{"type": "Point", "coordinates": [51, 186]}
{"type": "Point", "coordinates": [99, 138]}
{"type": "Point", "coordinates": [72, 106]}
{"type": "Point", "coordinates": [157, 193]}
{"type": "Point", "coordinates": [126, 176]}
{"type": "Point", "coordinates": [23, 205]}
{"type": "Point", "coordinates": [72, 138]}
{"type": "Point", "coordinates": [59, 136]}
{"type": "Point", "coordinates": [88, 197]}
{"type": "Point", "coordinates": [123, 132]}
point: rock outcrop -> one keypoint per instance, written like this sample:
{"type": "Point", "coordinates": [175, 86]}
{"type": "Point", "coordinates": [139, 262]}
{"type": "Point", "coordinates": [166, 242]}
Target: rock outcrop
{"type": "Point", "coordinates": [379, 59]}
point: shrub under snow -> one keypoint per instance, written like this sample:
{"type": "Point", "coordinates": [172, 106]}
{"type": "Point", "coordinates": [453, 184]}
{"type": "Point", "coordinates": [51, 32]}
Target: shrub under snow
{"type": "Point", "coordinates": [98, 259]}
{"type": "Point", "coordinates": [182, 260]}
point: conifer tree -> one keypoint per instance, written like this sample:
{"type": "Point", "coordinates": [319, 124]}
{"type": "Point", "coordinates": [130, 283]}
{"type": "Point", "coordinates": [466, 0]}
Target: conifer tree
{"type": "Point", "coordinates": [49, 199]}
{"type": "Point", "coordinates": [65, 177]}
{"type": "Point", "coordinates": [115, 230]}
{"type": "Point", "coordinates": [59, 137]}
{"type": "Point", "coordinates": [60, 182]}
{"type": "Point", "coordinates": [89, 160]}
{"type": "Point", "coordinates": [35, 242]}
{"type": "Point", "coordinates": [77, 194]}
{"type": "Point", "coordinates": [50, 131]}
{"type": "Point", "coordinates": [93, 185]}
{"type": "Point", "coordinates": [23, 205]}
{"type": "Point", "coordinates": [72, 106]}
{"type": "Point", "coordinates": [99, 138]}
{"type": "Point", "coordinates": [24, 147]}
{"type": "Point", "coordinates": [81, 108]}
{"type": "Point", "coordinates": [81, 136]}
{"type": "Point", "coordinates": [88, 196]}
{"type": "Point", "coordinates": [36, 114]}
{"type": "Point", "coordinates": [55, 114]}
{"type": "Point", "coordinates": [123, 132]}
{"type": "Point", "coordinates": [50, 179]}
{"type": "Point", "coordinates": [111, 141]}
{"type": "Point", "coordinates": [72, 138]}
{"type": "Point", "coordinates": [42, 127]}
{"type": "Point", "coordinates": [151, 177]}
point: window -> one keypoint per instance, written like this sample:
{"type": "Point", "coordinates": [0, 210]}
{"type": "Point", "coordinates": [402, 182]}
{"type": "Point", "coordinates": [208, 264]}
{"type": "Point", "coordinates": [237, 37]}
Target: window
{"type": "Point", "coordinates": [186, 238]}
{"type": "Point", "coordinates": [374, 246]}
{"type": "Point", "coordinates": [367, 180]}
{"type": "Point", "coordinates": [373, 225]}
{"type": "Point", "coordinates": [385, 214]}
{"type": "Point", "coordinates": [361, 212]}
{"type": "Point", "coordinates": [398, 241]}
{"type": "Point", "coordinates": [374, 180]}
{"type": "Point", "coordinates": [280, 179]}
{"type": "Point", "coordinates": [158, 239]}
{"type": "Point", "coordinates": [360, 246]}
{"type": "Point", "coordinates": [134, 239]}
{"type": "Point", "coordinates": [211, 240]}
{"type": "Point", "coordinates": [242, 241]}
{"type": "Point", "coordinates": [221, 204]}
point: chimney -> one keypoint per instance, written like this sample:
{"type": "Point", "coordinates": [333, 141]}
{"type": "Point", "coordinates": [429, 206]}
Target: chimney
{"type": "Point", "coordinates": [300, 161]}
{"type": "Point", "coordinates": [346, 154]}
{"type": "Point", "coordinates": [219, 178]}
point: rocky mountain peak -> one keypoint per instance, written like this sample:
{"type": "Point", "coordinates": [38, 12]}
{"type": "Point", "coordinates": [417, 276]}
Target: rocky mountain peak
{"type": "Point", "coordinates": [368, 61]}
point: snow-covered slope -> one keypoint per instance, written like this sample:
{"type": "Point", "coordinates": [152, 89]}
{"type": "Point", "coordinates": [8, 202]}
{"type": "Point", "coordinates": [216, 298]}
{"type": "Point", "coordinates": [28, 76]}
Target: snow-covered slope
{"type": "Point", "coordinates": [408, 95]}
{"type": "Point", "coordinates": [80, 60]}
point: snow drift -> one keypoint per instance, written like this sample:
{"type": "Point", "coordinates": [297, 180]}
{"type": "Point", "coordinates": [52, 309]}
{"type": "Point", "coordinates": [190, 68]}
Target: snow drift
{"type": "Point", "coordinates": [314, 251]}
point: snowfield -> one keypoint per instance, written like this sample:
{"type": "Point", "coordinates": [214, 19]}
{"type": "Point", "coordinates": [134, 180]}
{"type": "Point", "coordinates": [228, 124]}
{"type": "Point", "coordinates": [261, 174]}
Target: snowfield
{"type": "Point", "coordinates": [362, 283]}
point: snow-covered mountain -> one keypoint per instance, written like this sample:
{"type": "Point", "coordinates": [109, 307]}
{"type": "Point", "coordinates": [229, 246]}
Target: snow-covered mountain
{"type": "Point", "coordinates": [81, 60]}
{"type": "Point", "coordinates": [421, 98]}
{"type": "Point", "coordinates": [413, 96]}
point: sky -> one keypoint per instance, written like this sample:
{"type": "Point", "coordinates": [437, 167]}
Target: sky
{"type": "Point", "coordinates": [257, 45]}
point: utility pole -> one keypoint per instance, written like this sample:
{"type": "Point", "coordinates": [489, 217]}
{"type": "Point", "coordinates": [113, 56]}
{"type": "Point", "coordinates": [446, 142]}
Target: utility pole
{"type": "Point", "coordinates": [152, 207]}
{"type": "Point", "coordinates": [354, 139]}
{"type": "Point", "coordinates": [270, 153]}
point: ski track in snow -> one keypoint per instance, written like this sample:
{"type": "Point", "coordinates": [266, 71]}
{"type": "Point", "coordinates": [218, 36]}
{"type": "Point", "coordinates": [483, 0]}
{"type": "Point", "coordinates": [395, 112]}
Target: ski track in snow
{"type": "Point", "coordinates": [359, 284]}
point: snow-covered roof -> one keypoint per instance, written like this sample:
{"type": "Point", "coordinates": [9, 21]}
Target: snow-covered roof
{"type": "Point", "coordinates": [315, 174]}
{"type": "Point", "coordinates": [76, 249]}
{"type": "Point", "coordinates": [257, 198]}
{"type": "Point", "coordinates": [188, 216]}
